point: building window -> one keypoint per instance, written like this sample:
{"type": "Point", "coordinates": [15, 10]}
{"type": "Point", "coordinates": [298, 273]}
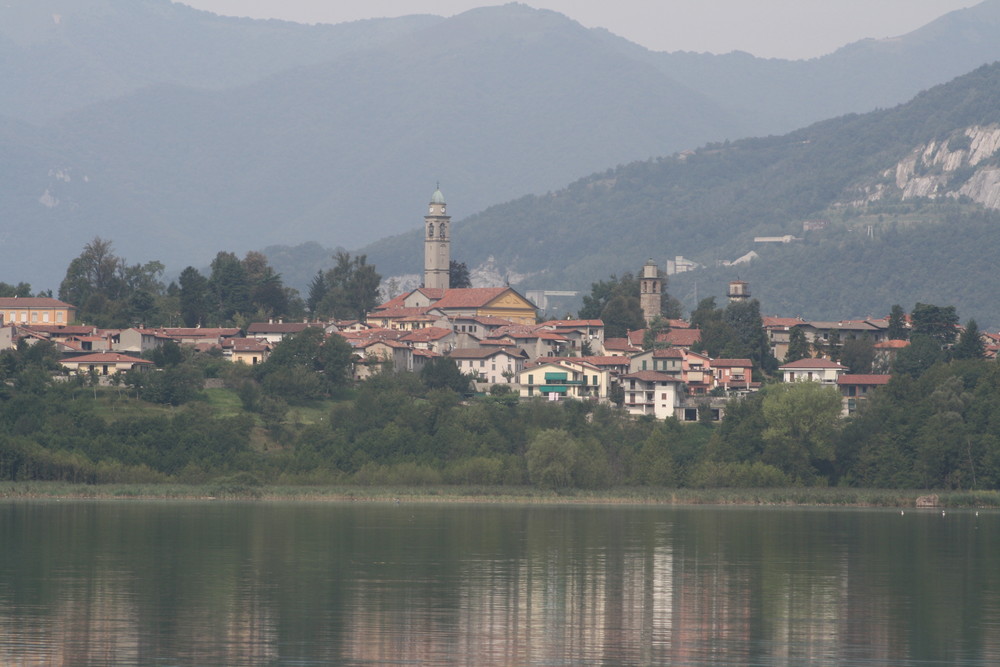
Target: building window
{"type": "Point", "coordinates": [34, 318]}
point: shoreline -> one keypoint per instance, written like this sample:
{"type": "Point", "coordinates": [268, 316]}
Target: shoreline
{"type": "Point", "coordinates": [788, 497]}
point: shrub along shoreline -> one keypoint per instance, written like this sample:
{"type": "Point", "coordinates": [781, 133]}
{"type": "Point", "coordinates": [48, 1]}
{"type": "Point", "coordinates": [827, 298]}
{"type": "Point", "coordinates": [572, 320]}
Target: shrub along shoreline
{"type": "Point", "coordinates": [234, 489]}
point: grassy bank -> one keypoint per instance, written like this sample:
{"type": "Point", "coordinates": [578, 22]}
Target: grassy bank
{"type": "Point", "coordinates": [236, 489]}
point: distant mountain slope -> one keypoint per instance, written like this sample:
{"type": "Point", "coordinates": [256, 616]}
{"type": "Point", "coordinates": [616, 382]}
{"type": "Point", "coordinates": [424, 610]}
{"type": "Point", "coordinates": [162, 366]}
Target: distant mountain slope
{"type": "Point", "coordinates": [177, 133]}
{"type": "Point", "coordinates": [709, 205]}
{"type": "Point", "coordinates": [61, 55]}
{"type": "Point", "coordinates": [494, 102]}
{"type": "Point", "coordinates": [872, 73]}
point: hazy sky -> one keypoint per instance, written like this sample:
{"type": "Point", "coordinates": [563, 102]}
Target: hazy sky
{"type": "Point", "coordinates": [767, 28]}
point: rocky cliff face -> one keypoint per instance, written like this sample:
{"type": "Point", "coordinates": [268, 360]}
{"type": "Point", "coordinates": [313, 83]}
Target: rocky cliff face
{"type": "Point", "coordinates": [965, 164]}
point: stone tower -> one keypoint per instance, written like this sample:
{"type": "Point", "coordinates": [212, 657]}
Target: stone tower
{"type": "Point", "coordinates": [650, 291]}
{"type": "Point", "coordinates": [739, 290]}
{"type": "Point", "coordinates": [437, 243]}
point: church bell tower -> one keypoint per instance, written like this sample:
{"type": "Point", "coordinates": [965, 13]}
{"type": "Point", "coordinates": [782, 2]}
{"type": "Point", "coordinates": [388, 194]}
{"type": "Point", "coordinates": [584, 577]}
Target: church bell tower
{"type": "Point", "coordinates": [437, 243]}
{"type": "Point", "coordinates": [650, 292]}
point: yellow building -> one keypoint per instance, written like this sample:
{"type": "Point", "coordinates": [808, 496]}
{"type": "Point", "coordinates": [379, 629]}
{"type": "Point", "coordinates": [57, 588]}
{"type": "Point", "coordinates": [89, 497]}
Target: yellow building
{"type": "Point", "coordinates": [502, 302]}
{"type": "Point", "coordinates": [36, 310]}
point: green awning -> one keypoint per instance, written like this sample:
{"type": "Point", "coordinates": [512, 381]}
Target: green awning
{"type": "Point", "coordinates": [553, 389]}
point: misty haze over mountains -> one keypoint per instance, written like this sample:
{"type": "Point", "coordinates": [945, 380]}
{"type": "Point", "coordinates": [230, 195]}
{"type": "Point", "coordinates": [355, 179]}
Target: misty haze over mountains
{"type": "Point", "coordinates": [177, 133]}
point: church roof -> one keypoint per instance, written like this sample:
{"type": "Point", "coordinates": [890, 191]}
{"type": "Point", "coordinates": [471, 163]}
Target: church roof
{"type": "Point", "coordinates": [469, 297]}
{"type": "Point", "coordinates": [437, 197]}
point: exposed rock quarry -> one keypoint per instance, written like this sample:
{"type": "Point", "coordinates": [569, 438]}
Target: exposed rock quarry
{"type": "Point", "coordinates": [934, 169]}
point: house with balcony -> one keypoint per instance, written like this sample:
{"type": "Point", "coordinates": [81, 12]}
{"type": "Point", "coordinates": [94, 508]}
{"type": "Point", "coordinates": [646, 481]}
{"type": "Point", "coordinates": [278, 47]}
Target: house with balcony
{"type": "Point", "coordinates": [249, 351]}
{"type": "Point", "coordinates": [856, 389]}
{"type": "Point", "coordinates": [812, 370]}
{"type": "Point", "coordinates": [669, 360]}
{"type": "Point", "coordinates": [104, 363]}
{"type": "Point", "coordinates": [651, 393]}
{"type": "Point", "coordinates": [733, 374]}
{"type": "Point", "coordinates": [275, 332]}
{"type": "Point", "coordinates": [697, 373]}
{"type": "Point", "coordinates": [489, 366]}
{"type": "Point", "coordinates": [564, 378]}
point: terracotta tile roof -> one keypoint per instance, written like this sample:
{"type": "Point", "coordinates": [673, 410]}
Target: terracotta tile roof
{"type": "Point", "coordinates": [486, 320]}
{"type": "Point", "coordinates": [430, 354]}
{"type": "Point", "coordinates": [731, 363]}
{"type": "Point", "coordinates": [515, 331]}
{"type": "Point", "coordinates": [812, 363]}
{"type": "Point", "coordinates": [680, 337]}
{"type": "Point", "coordinates": [480, 353]}
{"type": "Point", "coordinates": [668, 353]}
{"type": "Point", "coordinates": [59, 330]}
{"type": "Point", "coordinates": [107, 358]}
{"type": "Point", "coordinates": [395, 344]}
{"type": "Point", "coordinates": [155, 333]}
{"type": "Point", "coordinates": [651, 376]}
{"type": "Point", "coordinates": [841, 326]}
{"type": "Point", "coordinates": [891, 344]}
{"type": "Point", "coordinates": [396, 312]}
{"type": "Point", "coordinates": [598, 360]}
{"type": "Point", "coordinates": [781, 322]}
{"type": "Point", "coordinates": [432, 293]}
{"type": "Point", "coordinates": [395, 302]}
{"type": "Point", "coordinates": [573, 324]}
{"type": "Point", "coordinates": [578, 361]}
{"type": "Point", "coordinates": [688, 354]}
{"type": "Point", "coordinates": [427, 333]}
{"type": "Point", "coordinates": [501, 342]}
{"type": "Point", "coordinates": [199, 332]}
{"type": "Point", "coordinates": [421, 317]}
{"type": "Point", "coordinates": [621, 344]}
{"type": "Point", "coordinates": [378, 333]}
{"type": "Point", "coordinates": [864, 379]}
{"type": "Point", "coordinates": [281, 327]}
{"type": "Point", "coordinates": [248, 344]}
{"type": "Point", "coordinates": [469, 297]}
{"type": "Point", "coordinates": [12, 302]}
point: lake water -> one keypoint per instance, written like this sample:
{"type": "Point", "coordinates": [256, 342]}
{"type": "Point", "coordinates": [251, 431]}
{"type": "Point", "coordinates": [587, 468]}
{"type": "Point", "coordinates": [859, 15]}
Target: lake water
{"type": "Point", "coordinates": [186, 583]}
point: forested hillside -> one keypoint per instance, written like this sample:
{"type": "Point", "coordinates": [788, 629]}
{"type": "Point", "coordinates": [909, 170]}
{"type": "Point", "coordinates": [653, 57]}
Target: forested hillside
{"type": "Point", "coordinates": [708, 205]}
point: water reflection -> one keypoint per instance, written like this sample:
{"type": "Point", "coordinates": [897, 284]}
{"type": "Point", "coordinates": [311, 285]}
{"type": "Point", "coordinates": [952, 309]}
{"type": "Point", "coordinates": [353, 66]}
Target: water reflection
{"type": "Point", "coordinates": [259, 584]}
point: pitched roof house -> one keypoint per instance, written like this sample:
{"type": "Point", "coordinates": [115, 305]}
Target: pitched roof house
{"type": "Point", "coordinates": [856, 388]}
{"type": "Point", "coordinates": [813, 370]}
{"type": "Point", "coordinates": [104, 363]}
{"type": "Point", "coordinates": [651, 393]}
{"type": "Point", "coordinates": [35, 310]}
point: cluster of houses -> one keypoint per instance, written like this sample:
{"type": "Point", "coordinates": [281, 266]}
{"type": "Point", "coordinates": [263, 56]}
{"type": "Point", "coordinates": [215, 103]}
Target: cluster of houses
{"type": "Point", "coordinates": [493, 335]}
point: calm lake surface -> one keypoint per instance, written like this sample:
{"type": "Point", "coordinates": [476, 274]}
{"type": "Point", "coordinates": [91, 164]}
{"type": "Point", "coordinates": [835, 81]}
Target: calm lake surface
{"type": "Point", "coordinates": [186, 583]}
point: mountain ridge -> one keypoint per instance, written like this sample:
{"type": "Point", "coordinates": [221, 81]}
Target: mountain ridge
{"type": "Point", "coordinates": [340, 137]}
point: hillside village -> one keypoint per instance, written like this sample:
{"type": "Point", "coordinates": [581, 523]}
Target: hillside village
{"type": "Point", "coordinates": [494, 337]}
